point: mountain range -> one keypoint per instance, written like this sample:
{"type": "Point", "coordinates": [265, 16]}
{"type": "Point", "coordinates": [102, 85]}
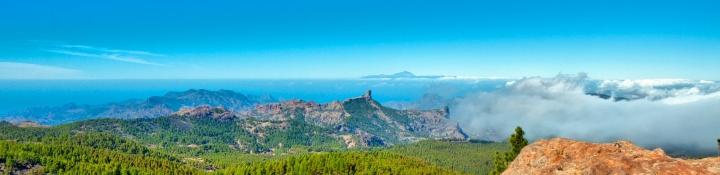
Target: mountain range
{"type": "Point", "coordinates": [154, 106]}
{"type": "Point", "coordinates": [225, 119]}
{"type": "Point", "coordinates": [362, 121]}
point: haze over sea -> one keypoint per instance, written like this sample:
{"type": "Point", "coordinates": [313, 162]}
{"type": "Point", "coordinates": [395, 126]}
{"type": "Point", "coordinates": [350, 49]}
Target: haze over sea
{"type": "Point", "coordinates": [22, 94]}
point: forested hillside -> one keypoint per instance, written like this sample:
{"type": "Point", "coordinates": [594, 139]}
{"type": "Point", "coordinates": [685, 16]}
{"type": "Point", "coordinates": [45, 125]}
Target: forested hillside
{"type": "Point", "coordinates": [158, 147]}
{"type": "Point", "coordinates": [471, 158]}
{"type": "Point", "coordinates": [67, 158]}
{"type": "Point", "coordinates": [350, 162]}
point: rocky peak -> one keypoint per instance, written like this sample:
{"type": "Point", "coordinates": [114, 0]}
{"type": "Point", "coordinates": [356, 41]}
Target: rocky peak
{"type": "Point", "coordinates": [368, 95]}
{"type": "Point", "coordinates": [327, 114]}
{"type": "Point", "coordinates": [401, 125]}
{"type": "Point", "coordinates": [565, 156]}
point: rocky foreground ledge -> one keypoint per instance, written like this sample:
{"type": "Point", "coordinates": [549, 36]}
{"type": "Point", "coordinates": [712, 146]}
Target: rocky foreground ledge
{"type": "Point", "coordinates": [565, 156]}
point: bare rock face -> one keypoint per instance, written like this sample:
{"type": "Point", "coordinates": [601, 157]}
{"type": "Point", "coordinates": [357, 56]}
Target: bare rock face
{"type": "Point", "coordinates": [218, 113]}
{"type": "Point", "coordinates": [29, 124]}
{"type": "Point", "coordinates": [433, 123]}
{"type": "Point", "coordinates": [323, 114]}
{"type": "Point", "coordinates": [564, 156]}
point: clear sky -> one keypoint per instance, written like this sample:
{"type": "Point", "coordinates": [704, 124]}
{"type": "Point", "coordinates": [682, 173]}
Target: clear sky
{"type": "Point", "coordinates": [344, 39]}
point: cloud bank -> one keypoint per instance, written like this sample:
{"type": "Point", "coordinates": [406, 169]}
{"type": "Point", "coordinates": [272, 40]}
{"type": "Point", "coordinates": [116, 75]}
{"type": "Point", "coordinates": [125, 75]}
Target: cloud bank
{"type": "Point", "coordinates": [653, 89]}
{"type": "Point", "coordinates": [678, 115]}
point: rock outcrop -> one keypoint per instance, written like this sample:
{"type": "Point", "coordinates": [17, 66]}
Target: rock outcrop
{"type": "Point", "coordinates": [322, 114]}
{"type": "Point", "coordinates": [218, 113]}
{"type": "Point", "coordinates": [564, 156]}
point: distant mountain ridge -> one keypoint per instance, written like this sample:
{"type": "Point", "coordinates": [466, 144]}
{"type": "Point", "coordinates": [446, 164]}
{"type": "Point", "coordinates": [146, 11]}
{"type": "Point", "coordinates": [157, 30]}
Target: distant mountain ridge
{"type": "Point", "coordinates": [148, 108]}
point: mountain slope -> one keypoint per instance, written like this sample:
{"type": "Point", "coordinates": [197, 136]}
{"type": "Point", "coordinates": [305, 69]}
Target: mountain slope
{"type": "Point", "coordinates": [278, 127]}
{"type": "Point", "coordinates": [64, 150]}
{"type": "Point", "coordinates": [363, 121]}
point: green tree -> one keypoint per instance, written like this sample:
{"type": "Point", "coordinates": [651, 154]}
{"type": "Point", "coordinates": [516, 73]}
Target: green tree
{"type": "Point", "coordinates": [517, 141]}
{"type": "Point", "coordinates": [9, 163]}
{"type": "Point", "coordinates": [502, 160]}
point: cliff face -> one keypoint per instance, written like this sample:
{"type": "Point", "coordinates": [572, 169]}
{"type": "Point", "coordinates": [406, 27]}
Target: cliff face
{"type": "Point", "coordinates": [218, 113]}
{"type": "Point", "coordinates": [321, 114]}
{"type": "Point", "coordinates": [564, 156]}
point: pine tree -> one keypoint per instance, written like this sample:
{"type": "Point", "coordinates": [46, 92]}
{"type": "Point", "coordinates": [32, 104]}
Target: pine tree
{"type": "Point", "coordinates": [9, 163]}
{"type": "Point", "coordinates": [502, 160]}
{"type": "Point", "coordinates": [517, 141]}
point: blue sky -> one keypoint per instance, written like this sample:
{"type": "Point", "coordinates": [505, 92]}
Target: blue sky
{"type": "Point", "coordinates": [137, 39]}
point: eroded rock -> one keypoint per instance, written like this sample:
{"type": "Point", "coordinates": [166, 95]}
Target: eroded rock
{"type": "Point", "coordinates": [565, 156]}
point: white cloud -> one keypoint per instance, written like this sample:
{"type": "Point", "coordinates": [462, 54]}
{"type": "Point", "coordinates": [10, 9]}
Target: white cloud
{"type": "Point", "coordinates": [690, 98]}
{"type": "Point", "coordinates": [117, 51]}
{"type": "Point", "coordinates": [15, 70]}
{"type": "Point", "coordinates": [548, 107]}
{"type": "Point", "coordinates": [109, 56]}
{"type": "Point", "coordinates": [653, 89]}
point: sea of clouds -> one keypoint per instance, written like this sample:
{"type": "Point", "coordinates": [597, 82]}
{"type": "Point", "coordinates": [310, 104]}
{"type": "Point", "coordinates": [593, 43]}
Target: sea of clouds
{"type": "Point", "coordinates": [681, 116]}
